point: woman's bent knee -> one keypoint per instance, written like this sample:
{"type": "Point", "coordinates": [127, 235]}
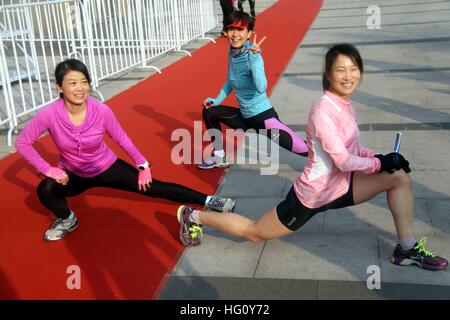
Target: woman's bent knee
{"type": "Point", "coordinates": [251, 233]}
{"type": "Point", "coordinates": [207, 112]}
{"type": "Point", "coordinates": [253, 238]}
{"type": "Point", "coordinates": [401, 178]}
{"type": "Point", "coordinates": [46, 187]}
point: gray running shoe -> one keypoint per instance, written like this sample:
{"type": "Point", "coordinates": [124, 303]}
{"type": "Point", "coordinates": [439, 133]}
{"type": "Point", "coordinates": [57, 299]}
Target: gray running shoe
{"type": "Point", "coordinates": [214, 162]}
{"type": "Point", "coordinates": [60, 228]}
{"type": "Point", "coordinates": [221, 204]}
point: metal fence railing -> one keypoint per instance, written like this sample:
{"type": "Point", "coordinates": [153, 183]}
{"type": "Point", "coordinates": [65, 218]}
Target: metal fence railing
{"type": "Point", "coordinates": [109, 36]}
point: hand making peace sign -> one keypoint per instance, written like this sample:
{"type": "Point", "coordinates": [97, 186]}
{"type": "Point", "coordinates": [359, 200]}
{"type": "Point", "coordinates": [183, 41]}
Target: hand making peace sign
{"type": "Point", "coordinates": [257, 46]}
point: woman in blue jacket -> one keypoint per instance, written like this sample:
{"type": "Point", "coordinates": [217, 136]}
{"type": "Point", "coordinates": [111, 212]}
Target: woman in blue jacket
{"type": "Point", "coordinates": [247, 78]}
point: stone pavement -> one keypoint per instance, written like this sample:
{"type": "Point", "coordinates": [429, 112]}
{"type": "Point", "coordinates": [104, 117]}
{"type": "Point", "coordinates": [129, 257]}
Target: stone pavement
{"type": "Point", "coordinates": [405, 88]}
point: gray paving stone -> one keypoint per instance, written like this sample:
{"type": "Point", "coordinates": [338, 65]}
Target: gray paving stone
{"type": "Point", "coordinates": [319, 257]}
{"type": "Point", "coordinates": [216, 288]}
{"type": "Point", "coordinates": [292, 163]}
{"type": "Point", "coordinates": [220, 256]}
{"type": "Point", "coordinates": [235, 288]}
{"type": "Point", "coordinates": [176, 288]}
{"type": "Point", "coordinates": [351, 290]}
{"type": "Point", "coordinates": [251, 184]}
{"type": "Point", "coordinates": [283, 160]}
{"type": "Point", "coordinates": [403, 291]}
{"type": "Point", "coordinates": [374, 217]}
{"type": "Point", "coordinates": [440, 214]}
{"type": "Point", "coordinates": [431, 184]}
{"type": "Point", "coordinates": [346, 290]}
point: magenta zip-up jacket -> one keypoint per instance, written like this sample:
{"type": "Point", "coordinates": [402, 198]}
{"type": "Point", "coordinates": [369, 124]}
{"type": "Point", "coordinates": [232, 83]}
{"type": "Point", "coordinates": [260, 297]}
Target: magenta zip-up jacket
{"type": "Point", "coordinates": [82, 148]}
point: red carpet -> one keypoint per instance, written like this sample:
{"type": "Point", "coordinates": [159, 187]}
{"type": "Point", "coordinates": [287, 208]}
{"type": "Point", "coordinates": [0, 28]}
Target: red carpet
{"type": "Point", "coordinates": [127, 243]}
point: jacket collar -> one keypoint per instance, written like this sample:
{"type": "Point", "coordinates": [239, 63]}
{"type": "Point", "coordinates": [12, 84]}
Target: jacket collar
{"type": "Point", "coordinates": [64, 116]}
{"type": "Point", "coordinates": [344, 104]}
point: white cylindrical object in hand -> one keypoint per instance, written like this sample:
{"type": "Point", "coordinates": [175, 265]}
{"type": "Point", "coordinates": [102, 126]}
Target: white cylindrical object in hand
{"type": "Point", "coordinates": [398, 140]}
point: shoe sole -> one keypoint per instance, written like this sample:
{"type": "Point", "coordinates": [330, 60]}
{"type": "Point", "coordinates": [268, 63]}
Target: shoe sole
{"type": "Point", "coordinates": [73, 228]}
{"type": "Point", "coordinates": [180, 208]}
{"type": "Point", "coordinates": [181, 232]}
{"type": "Point", "coordinates": [214, 166]}
{"type": "Point", "coordinates": [410, 262]}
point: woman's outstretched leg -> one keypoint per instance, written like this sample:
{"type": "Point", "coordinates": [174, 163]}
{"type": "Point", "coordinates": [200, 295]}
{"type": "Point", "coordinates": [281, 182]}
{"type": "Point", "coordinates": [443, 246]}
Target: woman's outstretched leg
{"type": "Point", "coordinates": [267, 227]}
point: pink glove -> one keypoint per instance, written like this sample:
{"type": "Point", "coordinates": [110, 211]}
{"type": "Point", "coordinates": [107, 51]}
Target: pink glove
{"type": "Point", "coordinates": [145, 178]}
{"type": "Point", "coordinates": [56, 173]}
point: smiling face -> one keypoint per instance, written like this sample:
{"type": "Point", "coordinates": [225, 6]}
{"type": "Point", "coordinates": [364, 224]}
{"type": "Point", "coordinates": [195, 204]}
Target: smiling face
{"type": "Point", "coordinates": [237, 36]}
{"type": "Point", "coordinates": [344, 76]}
{"type": "Point", "coordinates": [75, 88]}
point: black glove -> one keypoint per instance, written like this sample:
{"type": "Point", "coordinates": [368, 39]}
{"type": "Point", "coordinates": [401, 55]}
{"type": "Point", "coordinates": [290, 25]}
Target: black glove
{"type": "Point", "coordinates": [393, 161]}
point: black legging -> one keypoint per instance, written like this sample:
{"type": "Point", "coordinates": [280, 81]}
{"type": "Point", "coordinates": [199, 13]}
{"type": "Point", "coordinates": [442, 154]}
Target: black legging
{"type": "Point", "coordinates": [227, 9]}
{"type": "Point", "coordinates": [252, 7]}
{"type": "Point", "coordinates": [267, 120]}
{"type": "Point", "coordinates": [121, 175]}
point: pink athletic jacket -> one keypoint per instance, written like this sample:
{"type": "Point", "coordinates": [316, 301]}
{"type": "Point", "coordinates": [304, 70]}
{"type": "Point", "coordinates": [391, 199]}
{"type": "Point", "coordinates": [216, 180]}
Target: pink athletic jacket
{"type": "Point", "coordinates": [83, 150]}
{"type": "Point", "coordinates": [332, 136]}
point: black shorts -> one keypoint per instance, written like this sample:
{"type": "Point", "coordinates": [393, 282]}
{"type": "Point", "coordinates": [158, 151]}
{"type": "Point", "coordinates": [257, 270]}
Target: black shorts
{"type": "Point", "coordinates": [293, 214]}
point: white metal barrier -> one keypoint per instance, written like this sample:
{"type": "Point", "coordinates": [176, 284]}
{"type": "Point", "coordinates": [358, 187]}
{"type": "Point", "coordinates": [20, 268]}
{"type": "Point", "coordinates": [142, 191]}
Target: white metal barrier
{"type": "Point", "coordinates": [194, 19]}
{"type": "Point", "coordinates": [128, 33]}
{"type": "Point", "coordinates": [109, 36]}
{"type": "Point", "coordinates": [5, 108]}
{"type": "Point", "coordinates": [34, 38]}
{"type": "Point", "coordinates": [122, 34]}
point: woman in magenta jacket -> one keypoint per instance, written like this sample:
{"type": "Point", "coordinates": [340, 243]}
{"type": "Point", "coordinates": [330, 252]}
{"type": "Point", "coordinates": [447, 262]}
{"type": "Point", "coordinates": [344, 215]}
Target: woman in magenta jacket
{"type": "Point", "coordinates": [77, 124]}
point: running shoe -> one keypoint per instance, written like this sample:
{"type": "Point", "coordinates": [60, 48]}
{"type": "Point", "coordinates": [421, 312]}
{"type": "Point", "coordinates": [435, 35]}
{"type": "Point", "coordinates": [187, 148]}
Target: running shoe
{"type": "Point", "coordinates": [60, 228]}
{"type": "Point", "coordinates": [214, 162]}
{"type": "Point", "coordinates": [221, 204]}
{"type": "Point", "coordinates": [420, 256]}
{"type": "Point", "coordinates": [190, 232]}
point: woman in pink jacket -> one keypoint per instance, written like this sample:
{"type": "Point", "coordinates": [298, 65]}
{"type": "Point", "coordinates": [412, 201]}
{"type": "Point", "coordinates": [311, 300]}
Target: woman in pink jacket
{"type": "Point", "coordinates": [77, 124]}
{"type": "Point", "coordinates": [339, 173]}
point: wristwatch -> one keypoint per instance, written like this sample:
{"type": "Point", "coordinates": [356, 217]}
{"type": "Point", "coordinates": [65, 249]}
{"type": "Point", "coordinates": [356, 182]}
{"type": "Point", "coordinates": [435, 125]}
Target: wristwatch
{"type": "Point", "coordinates": [144, 166]}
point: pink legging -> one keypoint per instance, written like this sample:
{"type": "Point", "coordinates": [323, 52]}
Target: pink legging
{"type": "Point", "coordinates": [232, 117]}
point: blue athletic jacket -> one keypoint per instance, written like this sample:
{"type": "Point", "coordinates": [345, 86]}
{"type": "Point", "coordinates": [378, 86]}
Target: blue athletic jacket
{"type": "Point", "coordinates": [246, 77]}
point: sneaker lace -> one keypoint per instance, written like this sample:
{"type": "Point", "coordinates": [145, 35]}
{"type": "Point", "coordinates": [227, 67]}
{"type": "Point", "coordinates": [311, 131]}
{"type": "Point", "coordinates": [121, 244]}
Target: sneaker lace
{"type": "Point", "coordinates": [421, 248]}
{"type": "Point", "coordinates": [196, 231]}
{"type": "Point", "coordinates": [59, 223]}
{"type": "Point", "coordinates": [56, 223]}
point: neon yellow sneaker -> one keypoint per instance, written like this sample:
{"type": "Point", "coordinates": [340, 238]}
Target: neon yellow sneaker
{"type": "Point", "coordinates": [190, 232]}
{"type": "Point", "coordinates": [420, 256]}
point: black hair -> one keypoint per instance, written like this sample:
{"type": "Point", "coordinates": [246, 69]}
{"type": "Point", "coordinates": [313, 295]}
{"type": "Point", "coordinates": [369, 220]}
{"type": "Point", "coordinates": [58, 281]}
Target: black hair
{"type": "Point", "coordinates": [342, 48]}
{"type": "Point", "coordinates": [241, 16]}
{"type": "Point", "coordinates": [68, 65]}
